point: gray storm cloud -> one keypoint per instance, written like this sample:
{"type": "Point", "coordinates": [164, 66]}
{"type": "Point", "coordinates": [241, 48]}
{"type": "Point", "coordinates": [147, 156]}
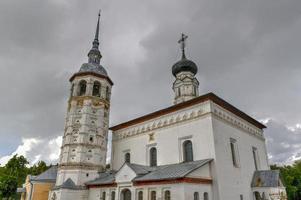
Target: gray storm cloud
{"type": "Point", "coordinates": [248, 52]}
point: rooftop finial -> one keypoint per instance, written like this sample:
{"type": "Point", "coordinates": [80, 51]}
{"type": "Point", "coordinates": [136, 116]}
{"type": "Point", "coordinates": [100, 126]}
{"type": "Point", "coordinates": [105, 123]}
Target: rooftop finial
{"type": "Point", "coordinates": [94, 54]}
{"type": "Point", "coordinates": [182, 43]}
{"type": "Point", "coordinates": [96, 42]}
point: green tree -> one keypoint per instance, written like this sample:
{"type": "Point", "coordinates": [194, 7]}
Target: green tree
{"type": "Point", "coordinates": [38, 169]}
{"type": "Point", "coordinates": [291, 177]}
{"type": "Point", "coordinates": [8, 186]}
{"type": "Point", "coordinates": [17, 167]}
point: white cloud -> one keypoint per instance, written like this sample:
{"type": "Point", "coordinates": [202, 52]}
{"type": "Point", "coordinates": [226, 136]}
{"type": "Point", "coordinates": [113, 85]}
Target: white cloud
{"type": "Point", "coordinates": [37, 149]}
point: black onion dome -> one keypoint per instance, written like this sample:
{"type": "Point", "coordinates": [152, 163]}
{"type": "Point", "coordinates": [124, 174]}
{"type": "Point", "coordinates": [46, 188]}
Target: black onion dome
{"type": "Point", "coordinates": [184, 65]}
{"type": "Point", "coordinates": [93, 67]}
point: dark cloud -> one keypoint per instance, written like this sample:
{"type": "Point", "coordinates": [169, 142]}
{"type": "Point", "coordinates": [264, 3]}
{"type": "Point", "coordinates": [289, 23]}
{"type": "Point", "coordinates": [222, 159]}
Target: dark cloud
{"type": "Point", "coordinates": [247, 52]}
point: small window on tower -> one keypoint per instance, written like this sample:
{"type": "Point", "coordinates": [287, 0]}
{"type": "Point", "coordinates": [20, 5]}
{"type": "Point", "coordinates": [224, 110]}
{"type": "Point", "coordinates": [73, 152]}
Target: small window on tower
{"type": "Point", "coordinates": [71, 90]}
{"type": "Point", "coordinates": [96, 89]}
{"type": "Point", "coordinates": [82, 87]}
{"type": "Point", "coordinates": [107, 93]}
{"type": "Point", "coordinates": [91, 139]}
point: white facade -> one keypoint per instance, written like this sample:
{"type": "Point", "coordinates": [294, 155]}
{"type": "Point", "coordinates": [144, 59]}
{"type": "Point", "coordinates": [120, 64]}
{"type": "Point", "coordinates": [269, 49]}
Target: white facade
{"type": "Point", "coordinates": [200, 148]}
{"type": "Point", "coordinates": [210, 128]}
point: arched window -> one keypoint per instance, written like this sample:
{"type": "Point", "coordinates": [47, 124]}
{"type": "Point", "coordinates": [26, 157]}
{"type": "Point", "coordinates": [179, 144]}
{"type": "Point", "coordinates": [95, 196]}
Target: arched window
{"type": "Point", "coordinates": [127, 157]}
{"type": "Point", "coordinates": [257, 195]}
{"type": "Point", "coordinates": [140, 195]}
{"type": "Point", "coordinates": [196, 196]}
{"type": "Point", "coordinates": [126, 194]}
{"type": "Point", "coordinates": [82, 87]}
{"type": "Point", "coordinates": [153, 195]}
{"type": "Point", "coordinates": [206, 196]}
{"type": "Point", "coordinates": [187, 151]}
{"type": "Point", "coordinates": [113, 195]}
{"type": "Point", "coordinates": [167, 195]}
{"type": "Point", "coordinates": [107, 93]}
{"type": "Point", "coordinates": [153, 157]}
{"type": "Point", "coordinates": [96, 89]}
{"type": "Point", "coordinates": [103, 195]}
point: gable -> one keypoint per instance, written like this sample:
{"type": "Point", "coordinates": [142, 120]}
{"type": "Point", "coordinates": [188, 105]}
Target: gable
{"type": "Point", "coordinates": [125, 174]}
{"type": "Point", "coordinates": [201, 172]}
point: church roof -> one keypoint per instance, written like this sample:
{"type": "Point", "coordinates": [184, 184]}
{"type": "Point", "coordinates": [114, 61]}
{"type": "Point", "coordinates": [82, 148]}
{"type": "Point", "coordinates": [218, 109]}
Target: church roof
{"type": "Point", "coordinates": [104, 178]}
{"type": "Point", "coordinates": [69, 184]}
{"type": "Point", "coordinates": [197, 100]}
{"type": "Point", "coordinates": [173, 171]}
{"type": "Point", "coordinates": [266, 178]}
{"type": "Point", "coordinates": [146, 173]}
{"type": "Point", "coordinates": [47, 176]}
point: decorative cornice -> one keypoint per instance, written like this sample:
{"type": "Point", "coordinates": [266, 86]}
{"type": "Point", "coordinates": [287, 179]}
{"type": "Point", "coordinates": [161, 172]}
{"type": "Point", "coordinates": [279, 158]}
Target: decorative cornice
{"type": "Point", "coordinates": [81, 165]}
{"type": "Point", "coordinates": [168, 120]}
{"type": "Point", "coordinates": [83, 144]}
{"type": "Point", "coordinates": [197, 100]}
{"type": "Point", "coordinates": [194, 112]}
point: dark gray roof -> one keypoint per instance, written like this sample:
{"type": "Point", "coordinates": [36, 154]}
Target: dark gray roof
{"type": "Point", "coordinates": [48, 176]}
{"type": "Point", "coordinates": [173, 171]}
{"type": "Point", "coordinates": [69, 184]}
{"type": "Point", "coordinates": [103, 179]}
{"type": "Point", "coordinates": [93, 67]}
{"type": "Point", "coordinates": [141, 169]}
{"type": "Point", "coordinates": [266, 178]}
{"type": "Point", "coordinates": [184, 65]}
{"type": "Point", "coordinates": [147, 173]}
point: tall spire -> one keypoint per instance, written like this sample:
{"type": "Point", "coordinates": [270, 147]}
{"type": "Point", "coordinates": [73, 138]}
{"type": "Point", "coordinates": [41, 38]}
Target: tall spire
{"type": "Point", "coordinates": [94, 54]}
{"type": "Point", "coordinates": [96, 42]}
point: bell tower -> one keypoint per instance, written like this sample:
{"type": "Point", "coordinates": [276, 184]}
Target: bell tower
{"type": "Point", "coordinates": [186, 85]}
{"type": "Point", "coordinates": [84, 147]}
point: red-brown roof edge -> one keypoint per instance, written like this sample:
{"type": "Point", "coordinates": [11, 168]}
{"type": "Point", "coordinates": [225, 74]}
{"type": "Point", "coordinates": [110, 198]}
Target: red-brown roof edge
{"type": "Point", "coordinates": [209, 96]}
{"type": "Point", "coordinates": [91, 73]}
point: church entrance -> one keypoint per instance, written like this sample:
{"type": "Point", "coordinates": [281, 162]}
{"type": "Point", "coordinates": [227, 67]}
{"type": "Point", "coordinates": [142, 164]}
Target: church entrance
{"type": "Point", "coordinates": [126, 194]}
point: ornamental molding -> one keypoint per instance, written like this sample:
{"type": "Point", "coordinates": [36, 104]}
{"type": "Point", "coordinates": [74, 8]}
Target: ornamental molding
{"type": "Point", "coordinates": [80, 165]}
{"type": "Point", "coordinates": [236, 121]}
{"type": "Point", "coordinates": [188, 114]}
{"type": "Point", "coordinates": [98, 146]}
{"type": "Point", "coordinates": [160, 122]}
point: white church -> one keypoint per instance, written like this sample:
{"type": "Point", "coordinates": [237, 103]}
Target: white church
{"type": "Point", "coordinates": [199, 148]}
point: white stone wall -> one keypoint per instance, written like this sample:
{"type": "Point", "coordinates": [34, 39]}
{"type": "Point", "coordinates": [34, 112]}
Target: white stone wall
{"type": "Point", "coordinates": [235, 181]}
{"type": "Point", "coordinates": [189, 124]}
{"type": "Point", "coordinates": [180, 191]}
{"type": "Point", "coordinates": [210, 128]}
{"type": "Point", "coordinates": [84, 146]}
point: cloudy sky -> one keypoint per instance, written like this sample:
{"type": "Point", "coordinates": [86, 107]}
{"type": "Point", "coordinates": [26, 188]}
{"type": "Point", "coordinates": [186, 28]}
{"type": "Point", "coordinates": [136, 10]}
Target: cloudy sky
{"type": "Point", "coordinates": [248, 52]}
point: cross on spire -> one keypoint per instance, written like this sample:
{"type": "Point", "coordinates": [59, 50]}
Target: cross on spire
{"type": "Point", "coordinates": [182, 42]}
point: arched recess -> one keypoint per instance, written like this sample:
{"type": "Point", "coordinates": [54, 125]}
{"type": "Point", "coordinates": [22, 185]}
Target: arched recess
{"type": "Point", "coordinates": [96, 89]}
{"type": "Point", "coordinates": [82, 88]}
{"type": "Point", "coordinates": [126, 194]}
